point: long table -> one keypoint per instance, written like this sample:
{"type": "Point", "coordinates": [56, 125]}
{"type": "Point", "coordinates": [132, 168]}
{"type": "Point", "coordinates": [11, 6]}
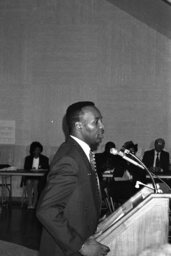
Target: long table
{"type": "Point", "coordinates": [161, 176]}
{"type": "Point", "coordinates": [6, 179]}
{"type": "Point", "coordinates": [158, 177]}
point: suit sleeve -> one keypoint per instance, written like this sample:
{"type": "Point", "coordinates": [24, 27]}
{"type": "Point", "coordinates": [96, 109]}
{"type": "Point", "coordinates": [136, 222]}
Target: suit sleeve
{"type": "Point", "coordinates": [61, 184]}
{"type": "Point", "coordinates": [145, 159]}
{"type": "Point", "coordinates": [167, 162]}
{"type": "Point", "coordinates": [45, 162]}
{"type": "Point", "coordinates": [27, 163]}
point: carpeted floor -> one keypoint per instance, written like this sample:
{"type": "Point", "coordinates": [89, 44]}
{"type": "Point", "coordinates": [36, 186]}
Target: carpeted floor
{"type": "Point", "coordinates": [11, 249]}
{"type": "Point", "coordinates": [20, 226]}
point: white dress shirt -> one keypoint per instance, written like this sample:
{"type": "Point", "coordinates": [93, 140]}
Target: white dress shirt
{"type": "Point", "coordinates": [155, 157]}
{"type": "Point", "coordinates": [83, 145]}
{"type": "Point", "coordinates": [35, 164]}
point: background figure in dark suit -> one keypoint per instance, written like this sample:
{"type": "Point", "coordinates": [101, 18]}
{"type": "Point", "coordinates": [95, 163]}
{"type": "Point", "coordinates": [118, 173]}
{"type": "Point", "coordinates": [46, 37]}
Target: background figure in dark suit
{"type": "Point", "coordinates": [34, 185]}
{"type": "Point", "coordinates": [136, 173]}
{"type": "Point", "coordinates": [106, 161]}
{"type": "Point", "coordinates": [157, 160]}
{"type": "Point", "coordinates": [124, 188]}
{"type": "Point", "coordinates": [69, 206]}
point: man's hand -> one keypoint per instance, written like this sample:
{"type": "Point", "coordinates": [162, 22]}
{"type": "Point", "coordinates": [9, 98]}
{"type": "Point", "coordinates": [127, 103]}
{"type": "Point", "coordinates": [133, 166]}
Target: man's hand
{"type": "Point", "coordinates": [92, 248]}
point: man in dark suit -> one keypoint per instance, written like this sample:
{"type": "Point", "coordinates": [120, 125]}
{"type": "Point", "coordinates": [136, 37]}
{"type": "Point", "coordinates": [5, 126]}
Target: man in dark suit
{"type": "Point", "coordinates": [105, 160]}
{"type": "Point", "coordinates": [157, 160]}
{"type": "Point", "coordinates": [69, 206]}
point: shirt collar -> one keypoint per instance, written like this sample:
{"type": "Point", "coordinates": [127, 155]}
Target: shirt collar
{"type": "Point", "coordinates": [156, 152]}
{"type": "Point", "coordinates": [83, 145]}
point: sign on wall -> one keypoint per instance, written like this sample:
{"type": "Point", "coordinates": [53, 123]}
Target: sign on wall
{"type": "Point", "coordinates": [7, 132]}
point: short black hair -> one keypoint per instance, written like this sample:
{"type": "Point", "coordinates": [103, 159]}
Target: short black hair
{"type": "Point", "coordinates": [73, 113]}
{"type": "Point", "coordinates": [159, 140]}
{"type": "Point", "coordinates": [35, 144]}
{"type": "Point", "coordinates": [129, 144]}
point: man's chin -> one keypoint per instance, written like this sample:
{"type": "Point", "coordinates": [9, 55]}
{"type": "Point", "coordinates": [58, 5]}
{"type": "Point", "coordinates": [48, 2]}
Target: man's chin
{"type": "Point", "coordinates": [99, 140]}
{"type": "Point", "coordinates": [95, 145]}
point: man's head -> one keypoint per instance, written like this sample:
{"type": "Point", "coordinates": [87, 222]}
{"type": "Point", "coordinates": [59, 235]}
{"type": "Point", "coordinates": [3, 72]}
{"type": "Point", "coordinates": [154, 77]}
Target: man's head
{"type": "Point", "coordinates": [84, 121]}
{"type": "Point", "coordinates": [133, 148]}
{"type": "Point", "coordinates": [159, 144]}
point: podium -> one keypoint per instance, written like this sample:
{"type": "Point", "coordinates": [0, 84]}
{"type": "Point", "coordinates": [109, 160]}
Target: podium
{"type": "Point", "coordinates": [140, 223]}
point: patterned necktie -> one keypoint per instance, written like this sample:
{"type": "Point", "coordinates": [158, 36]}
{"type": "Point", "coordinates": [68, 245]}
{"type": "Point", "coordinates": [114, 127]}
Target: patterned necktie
{"type": "Point", "coordinates": [93, 166]}
{"type": "Point", "coordinates": [157, 160]}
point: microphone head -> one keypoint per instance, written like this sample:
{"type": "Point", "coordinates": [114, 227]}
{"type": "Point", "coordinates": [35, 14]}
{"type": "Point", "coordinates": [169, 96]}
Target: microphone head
{"type": "Point", "coordinates": [113, 151]}
{"type": "Point", "coordinates": [138, 183]}
{"type": "Point", "coordinates": [127, 151]}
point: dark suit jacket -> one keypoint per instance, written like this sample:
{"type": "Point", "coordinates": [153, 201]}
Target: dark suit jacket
{"type": "Point", "coordinates": [108, 161]}
{"type": "Point", "coordinates": [69, 207]}
{"type": "Point", "coordinates": [148, 159]}
{"type": "Point", "coordinates": [43, 162]}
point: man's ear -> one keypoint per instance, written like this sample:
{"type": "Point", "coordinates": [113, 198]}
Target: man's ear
{"type": "Point", "coordinates": [78, 125]}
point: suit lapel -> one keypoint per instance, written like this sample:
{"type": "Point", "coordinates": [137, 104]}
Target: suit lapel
{"type": "Point", "coordinates": [90, 173]}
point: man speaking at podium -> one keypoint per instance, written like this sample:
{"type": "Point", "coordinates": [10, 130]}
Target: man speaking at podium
{"type": "Point", "coordinates": [69, 206]}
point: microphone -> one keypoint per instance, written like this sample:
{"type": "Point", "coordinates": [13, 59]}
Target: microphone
{"type": "Point", "coordinates": [114, 151]}
{"type": "Point", "coordinates": [139, 183]}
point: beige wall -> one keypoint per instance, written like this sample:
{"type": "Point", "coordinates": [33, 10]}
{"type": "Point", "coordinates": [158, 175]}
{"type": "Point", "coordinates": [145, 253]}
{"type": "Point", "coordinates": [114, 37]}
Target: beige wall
{"type": "Point", "coordinates": [55, 52]}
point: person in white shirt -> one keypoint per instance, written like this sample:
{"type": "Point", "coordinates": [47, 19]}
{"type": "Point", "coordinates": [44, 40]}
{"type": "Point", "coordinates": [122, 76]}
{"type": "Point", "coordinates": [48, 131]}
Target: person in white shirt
{"type": "Point", "coordinates": [33, 162]}
{"type": "Point", "coordinates": [157, 159]}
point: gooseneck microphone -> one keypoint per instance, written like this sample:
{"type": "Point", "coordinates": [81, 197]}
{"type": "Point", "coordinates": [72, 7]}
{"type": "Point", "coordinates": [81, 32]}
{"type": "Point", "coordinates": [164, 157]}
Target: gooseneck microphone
{"type": "Point", "coordinates": [139, 183]}
{"type": "Point", "coordinates": [138, 163]}
{"type": "Point", "coordinates": [114, 151]}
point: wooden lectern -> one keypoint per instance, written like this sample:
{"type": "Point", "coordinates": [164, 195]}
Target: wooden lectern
{"type": "Point", "coordinates": [140, 223]}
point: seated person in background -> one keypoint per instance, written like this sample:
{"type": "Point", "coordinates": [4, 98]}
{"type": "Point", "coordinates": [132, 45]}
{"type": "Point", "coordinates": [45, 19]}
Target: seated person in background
{"type": "Point", "coordinates": [124, 186]}
{"type": "Point", "coordinates": [157, 160]}
{"type": "Point", "coordinates": [106, 161]}
{"type": "Point", "coordinates": [133, 172]}
{"type": "Point", "coordinates": [35, 161]}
